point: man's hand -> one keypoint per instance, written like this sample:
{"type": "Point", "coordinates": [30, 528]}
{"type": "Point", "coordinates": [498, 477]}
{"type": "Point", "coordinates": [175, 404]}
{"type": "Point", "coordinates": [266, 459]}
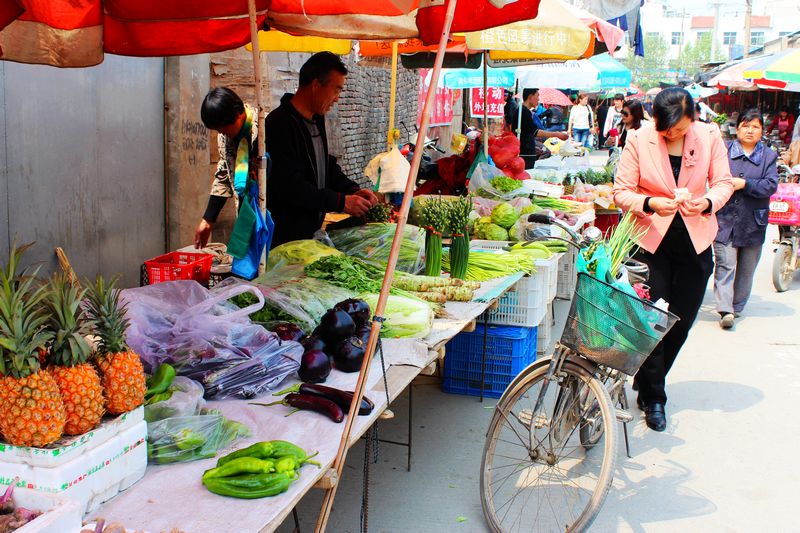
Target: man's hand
{"type": "Point", "coordinates": [368, 195]}
{"type": "Point", "coordinates": [356, 205]}
{"type": "Point", "coordinates": [738, 184]}
{"type": "Point", "coordinates": [664, 206]}
{"type": "Point", "coordinates": [202, 234]}
{"type": "Point", "coordinates": [692, 208]}
{"type": "Point", "coordinates": [561, 135]}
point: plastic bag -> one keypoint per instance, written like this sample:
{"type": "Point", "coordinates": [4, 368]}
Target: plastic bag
{"type": "Point", "coordinates": [186, 400]}
{"type": "Point", "coordinates": [188, 438]}
{"type": "Point", "coordinates": [484, 206]}
{"type": "Point", "coordinates": [374, 241]}
{"type": "Point", "coordinates": [301, 252]}
{"type": "Point", "coordinates": [389, 171]}
{"type": "Point", "coordinates": [481, 184]}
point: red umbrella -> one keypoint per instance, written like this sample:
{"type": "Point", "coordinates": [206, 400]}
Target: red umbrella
{"type": "Point", "coordinates": [553, 97]}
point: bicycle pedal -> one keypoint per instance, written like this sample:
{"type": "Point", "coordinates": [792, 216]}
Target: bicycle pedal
{"type": "Point", "coordinates": [624, 416]}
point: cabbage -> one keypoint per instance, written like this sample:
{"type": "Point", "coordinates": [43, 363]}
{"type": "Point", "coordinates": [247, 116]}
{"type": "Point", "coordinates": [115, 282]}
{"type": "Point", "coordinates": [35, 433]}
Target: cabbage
{"type": "Point", "coordinates": [472, 219]}
{"type": "Point", "coordinates": [480, 226]}
{"type": "Point", "coordinates": [515, 230]}
{"type": "Point", "coordinates": [504, 215]}
{"type": "Point", "coordinates": [405, 317]}
{"type": "Point", "coordinates": [528, 210]}
{"type": "Point", "coordinates": [302, 252]}
{"type": "Point", "coordinates": [493, 232]}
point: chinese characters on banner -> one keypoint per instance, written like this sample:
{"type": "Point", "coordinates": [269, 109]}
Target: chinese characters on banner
{"type": "Point", "coordinates": [442, 114]}
{"type": "Point", "coordinates": [496, 101]}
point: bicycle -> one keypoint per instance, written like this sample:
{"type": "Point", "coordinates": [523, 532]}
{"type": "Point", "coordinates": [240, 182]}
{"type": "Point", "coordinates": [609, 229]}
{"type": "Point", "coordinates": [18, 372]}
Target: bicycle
{"type": "Point", "coordinates": [552, 444]}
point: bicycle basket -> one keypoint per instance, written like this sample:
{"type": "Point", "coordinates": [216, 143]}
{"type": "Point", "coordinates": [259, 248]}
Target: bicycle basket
{"type": "Point", "coordinates": [611, 327]}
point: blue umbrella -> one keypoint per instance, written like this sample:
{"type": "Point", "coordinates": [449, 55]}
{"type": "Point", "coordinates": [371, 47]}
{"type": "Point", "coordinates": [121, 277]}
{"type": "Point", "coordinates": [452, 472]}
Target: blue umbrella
{"type": "Point", "coordinates": [464, 78]}
{"type": "Point", "coordinates": [610, 72]}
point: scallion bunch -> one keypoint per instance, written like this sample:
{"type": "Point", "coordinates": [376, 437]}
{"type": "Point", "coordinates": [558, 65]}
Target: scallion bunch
{"type": "Point", "coordinates": [435, 216]}
{"type": "Point", "coordinates": [459, 249]}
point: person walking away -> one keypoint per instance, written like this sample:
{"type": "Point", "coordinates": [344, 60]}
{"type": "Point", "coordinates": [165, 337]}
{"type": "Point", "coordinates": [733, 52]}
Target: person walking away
{"type": "Point", "coordinates": [674, 153]}
{"type": "Point", "coordinates": [705, 113]}
{"type": "Point", "coordinates": [743, 220]}
{"type": "Point", "coordinates": [305, 181]}
{"type": "Point", "coordinates": [785, 124]}
{"type": "Point", "coordinates": [236, 125]}
{"type": "Point", "coordinates": [581, 121]}
{"type": "Point", "coordinates": [531, 127]}
{"type": "Point", "coordinates": [632, 116]}
{"type": "Point", "coordinates": [614, 116]}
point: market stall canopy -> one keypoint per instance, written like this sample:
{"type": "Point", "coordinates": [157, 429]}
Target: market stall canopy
{"type": "Point", "coordinates": [567, 75]}
{"type": "Point", "coordinates": [76, 33]}
{"type": "Point", "coordinates": [455, 45]}
{"type": "Point", "coordinates": [468, 78]}
{"type": "Point", "coordinates": [611, 73]}
{"type": "Point", "coordinates": [735, 76]}
{"type": "Point", "coordinates": [549, 96]}
{"type": "Point", "coordinates": [278, 41]}
{"type": "Point", "coordinates": [783, 66]}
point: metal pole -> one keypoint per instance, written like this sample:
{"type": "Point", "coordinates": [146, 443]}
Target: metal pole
{"type": "Point", "coordinates": [262, 167]}
{"type": "Point", "coordinates": [392, 98]}
{"type": "Point", "coordinates": [338, 464]}
{"type": "Point", "coordinates": [485, 136]}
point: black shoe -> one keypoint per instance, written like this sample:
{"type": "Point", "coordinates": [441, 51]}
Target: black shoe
{"type": "Point", "coordinates": [640, 404]}
{"type": "Point", "coordinates": [655, 417]}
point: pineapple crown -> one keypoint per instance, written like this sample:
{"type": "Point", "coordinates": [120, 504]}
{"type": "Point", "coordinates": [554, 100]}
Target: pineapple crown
{"type": "Point", "coordinates": [65, 319]}
{"type": "Point", "coordinates": [22, 317]}
{"type": "Point", "coordinates": [104, 309]}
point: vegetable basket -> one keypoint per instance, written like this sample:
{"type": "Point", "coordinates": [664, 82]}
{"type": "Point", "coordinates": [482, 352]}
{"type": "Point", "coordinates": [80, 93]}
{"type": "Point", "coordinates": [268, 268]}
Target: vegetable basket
{"type": "Point", "coordinates": [611, 327]}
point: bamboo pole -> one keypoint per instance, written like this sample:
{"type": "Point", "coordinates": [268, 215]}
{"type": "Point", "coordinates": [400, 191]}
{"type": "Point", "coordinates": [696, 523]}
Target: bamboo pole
{"type": "Point", "coordinates": [485, 136]}
{"type": "Point", "coordinates": [262, 167]}
{"type": "Point", "coordinates": [338, 464]}
{"type": "Point", "coordinates": [390, 140]}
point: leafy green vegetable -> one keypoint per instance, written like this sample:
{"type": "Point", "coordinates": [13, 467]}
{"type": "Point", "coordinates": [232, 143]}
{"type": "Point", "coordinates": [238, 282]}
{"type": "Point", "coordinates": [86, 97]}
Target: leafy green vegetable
{"type": "Point", "coordinates": [493, 232]}
{"type": "Point", "coordinates": [299, 252]}
{"type": "Point", "coordinates": [504, 184]}
{"type": "Point", "coordinates": [504, 215]}
{"type": "Point", "coordinates": [347, 272]}
{"type": "Point", "coordinates": [405, 317]}
{"type": "Point", "coordinates": [374, 242]}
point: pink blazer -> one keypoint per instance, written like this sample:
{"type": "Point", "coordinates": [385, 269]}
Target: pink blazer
{"type": "Point", "coordinates": [644, 170]}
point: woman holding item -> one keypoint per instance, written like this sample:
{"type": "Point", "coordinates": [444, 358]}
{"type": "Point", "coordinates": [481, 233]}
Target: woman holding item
{"type": "Point", "coordinates": [743, 220]}
{"type": "Point", "coordinates": [674, 155]}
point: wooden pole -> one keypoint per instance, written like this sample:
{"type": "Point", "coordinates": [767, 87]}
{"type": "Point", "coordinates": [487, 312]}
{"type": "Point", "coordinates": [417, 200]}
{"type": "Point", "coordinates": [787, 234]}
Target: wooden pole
{"type": "Point", "coordinates": [485, 136]}
{"type": "Point", "coordinates": [390, 140]}
{"type": "Point", "coordinates": [262, 166]}
{"type": "Point", "coordinates": [338, 464]}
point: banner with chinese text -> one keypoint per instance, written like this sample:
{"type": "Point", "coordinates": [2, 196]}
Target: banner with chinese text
{"type": "Point", "coordinates": [496, 101]}
{"type": "Point", "coordinates": [442, 113]}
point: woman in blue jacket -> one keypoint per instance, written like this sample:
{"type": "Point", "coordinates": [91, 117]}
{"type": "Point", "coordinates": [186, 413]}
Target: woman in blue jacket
{"type": "Point", "coordinates": [743, 220]}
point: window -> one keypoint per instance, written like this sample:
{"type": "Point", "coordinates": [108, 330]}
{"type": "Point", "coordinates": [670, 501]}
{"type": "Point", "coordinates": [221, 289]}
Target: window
{"type": "Point", "coordinates": [653, 34]}
{"type": "Point", "coordinates": [756, 38]}
{"type": "Point", "coordinates": [677, 37]}
{"type": "Point", "coordinates": [729, 38]}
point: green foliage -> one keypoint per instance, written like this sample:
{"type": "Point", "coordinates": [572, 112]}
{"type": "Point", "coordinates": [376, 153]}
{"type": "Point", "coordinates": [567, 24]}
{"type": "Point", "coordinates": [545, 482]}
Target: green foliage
{"type": "Point", "coordinates": [649, 70]}
{"type": "Point", "coordinates": [693, 55]}
{"type": "Point", "coordinates": [65, 318]}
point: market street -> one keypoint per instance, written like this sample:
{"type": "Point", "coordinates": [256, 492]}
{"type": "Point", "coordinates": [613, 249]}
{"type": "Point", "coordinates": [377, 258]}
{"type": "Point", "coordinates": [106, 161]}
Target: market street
{"type": "Point", "coordinates": [725, 462]}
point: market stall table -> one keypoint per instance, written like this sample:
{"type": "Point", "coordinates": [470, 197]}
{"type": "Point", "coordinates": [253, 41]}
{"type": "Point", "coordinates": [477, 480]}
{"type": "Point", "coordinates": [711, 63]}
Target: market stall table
{"type": "Point", "coordinates": [159, 502]}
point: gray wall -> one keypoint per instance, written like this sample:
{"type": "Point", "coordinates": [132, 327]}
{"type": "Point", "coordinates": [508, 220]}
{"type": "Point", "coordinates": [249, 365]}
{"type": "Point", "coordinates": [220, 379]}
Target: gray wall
{"type": "Point", "coordinates": [82, 163]}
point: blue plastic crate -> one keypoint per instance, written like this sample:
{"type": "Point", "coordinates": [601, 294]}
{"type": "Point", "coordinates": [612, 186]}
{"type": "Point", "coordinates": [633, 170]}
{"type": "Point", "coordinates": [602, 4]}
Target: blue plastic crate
{"type": "Point", "coordinates": [509, 349]}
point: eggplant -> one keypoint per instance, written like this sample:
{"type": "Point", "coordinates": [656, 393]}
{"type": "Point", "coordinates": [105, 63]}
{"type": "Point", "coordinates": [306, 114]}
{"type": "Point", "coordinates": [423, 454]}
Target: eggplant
{"type": "Point", "coordinates": [286, 331]}
{"type": "Point", "coordinates": [348, 354]}
{"type": "Point", "coordinates": [309, 402]}
{"type": "Point", "coordinates": [362, 332]}
{"type": "Point", "coordinates": [335, 326]}
{"type": "Point", "coordinates": [357, 309]}
{"type": "Point", "coordinates": [313, 342]}
{"type": "Point", "coordinates": [315, 366]}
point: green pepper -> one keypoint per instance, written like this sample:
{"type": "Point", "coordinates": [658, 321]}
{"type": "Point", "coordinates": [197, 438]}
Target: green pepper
{"type": "Point", "coordinates": [287, 464]}
{"type": "Point", "coordinates": [259, 450]}
{"type": "Point", "coordinates": [161, 380]}
{"type": "Point", "coordinates": [249, 486]}
{"type": "Point", "coordinates": [242, 465]}
{"type": "Point", "coordinates": [188, 439]}
{"type": "Point", "coordinates": [159, 397]}
{"type": "Point", "coordinates": [282, 448]}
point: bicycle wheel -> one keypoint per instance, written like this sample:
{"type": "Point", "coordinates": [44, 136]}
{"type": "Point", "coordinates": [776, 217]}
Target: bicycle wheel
{"type": "Point", "coordinates": [546, 480]}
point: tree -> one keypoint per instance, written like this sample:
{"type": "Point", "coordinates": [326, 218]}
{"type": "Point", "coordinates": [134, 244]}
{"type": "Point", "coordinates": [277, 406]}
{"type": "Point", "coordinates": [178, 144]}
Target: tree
{"type": "Point", "coordinates": [693, 56]}
{"type": "Point", "coordinates": [649, 70]}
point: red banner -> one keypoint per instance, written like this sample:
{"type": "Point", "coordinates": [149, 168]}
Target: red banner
{"type": "Point", "coordinates": [496, 102]}
{"type": "Point", "coordinates": [442, 113]}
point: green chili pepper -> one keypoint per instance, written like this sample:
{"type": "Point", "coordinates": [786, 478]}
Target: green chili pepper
{"type": "Point", "coordinates": [282, 448]}
{"type": "Point", "coordinates": [161, 380]}
{"type": "Point", "coordinates": [259, 450]}
{"type": "Point", "coordinates": [249, 486]}
{"type": "Point", "coordinates": [287, 464]}
{"type": "Point", "coordinates": [187, 439]}
{"type": "Point", "coordinates": [159, 397]}
{"type": "Point", "coordinates": [242, 465]}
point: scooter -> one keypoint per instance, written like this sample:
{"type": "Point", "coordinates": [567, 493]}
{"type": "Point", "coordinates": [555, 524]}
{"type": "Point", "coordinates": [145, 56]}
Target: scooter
{"type": "Point", "coordinates": [784, 211]}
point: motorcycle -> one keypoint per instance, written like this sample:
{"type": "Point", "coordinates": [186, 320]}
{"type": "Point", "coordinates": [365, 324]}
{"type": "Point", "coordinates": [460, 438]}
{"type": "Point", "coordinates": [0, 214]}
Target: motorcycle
{"type": "Point", "coordinates": [784, 212]}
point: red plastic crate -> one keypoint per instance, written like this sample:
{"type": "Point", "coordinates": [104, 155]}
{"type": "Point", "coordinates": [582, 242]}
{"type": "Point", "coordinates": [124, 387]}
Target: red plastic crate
{"type": "Point", "coordinates": [179, 265]}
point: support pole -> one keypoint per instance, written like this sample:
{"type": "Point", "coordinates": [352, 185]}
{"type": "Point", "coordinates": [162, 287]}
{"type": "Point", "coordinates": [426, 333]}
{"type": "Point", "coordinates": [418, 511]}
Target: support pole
{"type": "Point", "coordinates": [485, 104]}
{"type": "Point", "coordinates": [392, 98]}
{"type": "Point", "coordinates": [338, 464]}
{"type": "Point", "coordinates": [262, 167]}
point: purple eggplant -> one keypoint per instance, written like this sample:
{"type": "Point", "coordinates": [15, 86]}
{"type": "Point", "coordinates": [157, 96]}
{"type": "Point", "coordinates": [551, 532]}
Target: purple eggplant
{"type": "Point", "coordinates": [348, 354]}
{"type": "Point", "coordinates": [357, 309]}
{"type": "Point", "coordinates": [335, 326]}
{"type": "Point", "coordinates": [313, 342]}
{"type": "Point", "coordinates": [315, 367]}
{"type": "Point", "coordinates": [362, 332]}
{"type": "Point", "coordinates": [286, 331]}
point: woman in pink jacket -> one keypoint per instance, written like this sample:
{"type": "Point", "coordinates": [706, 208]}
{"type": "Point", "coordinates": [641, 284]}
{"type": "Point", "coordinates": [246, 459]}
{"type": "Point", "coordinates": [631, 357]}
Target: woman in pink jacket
{"type": "Point", "coordinates": [674, 176]}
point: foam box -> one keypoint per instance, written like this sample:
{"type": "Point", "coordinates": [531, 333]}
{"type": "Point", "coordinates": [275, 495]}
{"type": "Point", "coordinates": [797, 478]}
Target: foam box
{"type": "Point", "coordinates": [59, 514]}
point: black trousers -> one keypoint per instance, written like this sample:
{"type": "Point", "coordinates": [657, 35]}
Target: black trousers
{"type": "Point", "coordinates": [679, 275]}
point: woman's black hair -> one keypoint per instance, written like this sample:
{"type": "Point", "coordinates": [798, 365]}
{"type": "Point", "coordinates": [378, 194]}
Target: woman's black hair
{"type": "Point", "coordinates": [670, 106]}
{"type": "Point", "coordinates": [636, 109]}
{"type": "Point", "coordinates": [221, 107]}
{"type": "Point", "coordinates": [750, 114]}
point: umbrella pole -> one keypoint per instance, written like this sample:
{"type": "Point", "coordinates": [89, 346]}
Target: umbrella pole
{"type": "Point", "coordinates": [262, 163]}
{"type": "Point", "coordinates": [392, 97]}
{"type": "Point", "coordinates": [338, 464]}
{"type": "Point", "coordinates": [519, 115]}
{"type": "Point", "coordinates": [485, 104]}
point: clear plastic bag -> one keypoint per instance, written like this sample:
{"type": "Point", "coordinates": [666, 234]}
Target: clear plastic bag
{"type": "Point", "coordinates": [188, 438]}
{"type": "Point", "coordinates": [480, 184]}
{"type": "Point", "coordinates": [301, 252]}
{"type": "Point", "coordinates": [374, 241]}
{"type": "Point", "coordinates": [186, 400]}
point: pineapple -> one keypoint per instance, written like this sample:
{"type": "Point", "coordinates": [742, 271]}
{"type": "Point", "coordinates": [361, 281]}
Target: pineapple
{"type": "Point", "coordinates": [77, 379]}
{"type": "Point", "coordinates": [121, 369]}
{"type": "Point", "coordinates": [31, 409]}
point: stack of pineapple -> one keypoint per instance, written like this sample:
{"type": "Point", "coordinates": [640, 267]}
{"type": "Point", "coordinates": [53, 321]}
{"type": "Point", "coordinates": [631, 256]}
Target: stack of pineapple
{"type": "Point", "coordinates": [51, 382]}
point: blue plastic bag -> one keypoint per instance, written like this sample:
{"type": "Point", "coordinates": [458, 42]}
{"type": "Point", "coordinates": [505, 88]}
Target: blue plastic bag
{"type": "Point", "coordinates": [247, 266]}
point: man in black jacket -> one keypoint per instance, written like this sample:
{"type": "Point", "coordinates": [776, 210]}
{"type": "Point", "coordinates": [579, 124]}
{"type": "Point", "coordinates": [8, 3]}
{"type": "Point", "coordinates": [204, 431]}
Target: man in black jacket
{"type": "Point", "coordinates": [305, 182]}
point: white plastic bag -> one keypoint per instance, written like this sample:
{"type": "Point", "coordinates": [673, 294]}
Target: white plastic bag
{"type": "Point", "coordinates": [391, 168]}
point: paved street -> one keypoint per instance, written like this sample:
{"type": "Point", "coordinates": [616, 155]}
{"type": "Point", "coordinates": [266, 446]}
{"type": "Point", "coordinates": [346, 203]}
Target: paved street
{"type": "Point", "coordinates": [725, 464]}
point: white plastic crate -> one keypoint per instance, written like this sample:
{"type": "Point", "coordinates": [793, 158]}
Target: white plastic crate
{"type": "Point", "coordinates": [59, 514]}
{"type": "Point", "coordinates": [545, 331]}
{"type": "Point", "coordinates": [567, 275]}
{"type": "Point", "coordinates": [92, 477]}
{"type": "Point", "coordinates": [549, 269]}
{"type": "Point", "coordinates": [66, 449]}
{"type": "Point", "coordinates": [522, 305]}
